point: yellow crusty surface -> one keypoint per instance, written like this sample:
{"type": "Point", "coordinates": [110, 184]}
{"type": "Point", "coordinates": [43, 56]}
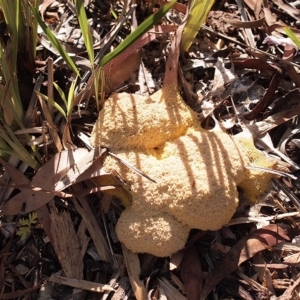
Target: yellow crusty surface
{"type": "Point", "coordinates": [196, 171]}
{"type": "Point", "coordinates": [160, 230]}
{"type": "Point", "coordinates": [256, 182]}
{"type": "Point", "coordinates": [147, 122]}
{"type": "Point", "coordinates": [195, 183]}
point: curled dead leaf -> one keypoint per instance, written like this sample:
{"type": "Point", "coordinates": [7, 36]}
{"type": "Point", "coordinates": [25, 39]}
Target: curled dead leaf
{"type": "Point", "coordinates": [259, 240]}
{"type": "Point", "coordinates": [58, 173]}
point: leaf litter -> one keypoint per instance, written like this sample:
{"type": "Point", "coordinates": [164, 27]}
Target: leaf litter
{"type": "Point", "coordinates": [240, 73]}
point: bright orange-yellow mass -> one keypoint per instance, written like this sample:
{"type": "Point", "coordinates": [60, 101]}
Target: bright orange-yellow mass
{"type": "Point", "coordinates": [196, 171]}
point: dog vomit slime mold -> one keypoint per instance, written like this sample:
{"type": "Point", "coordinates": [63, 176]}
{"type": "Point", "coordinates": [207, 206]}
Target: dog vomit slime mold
{"type": "Point", "coordinates": [196, 171]}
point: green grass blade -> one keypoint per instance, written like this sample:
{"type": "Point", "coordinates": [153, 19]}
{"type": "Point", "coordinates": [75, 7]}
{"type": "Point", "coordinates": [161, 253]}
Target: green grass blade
{"type": "Point", "coordinates": [5, 152]}
{"type": "Point", "coordinates": [138, 32]}
{"type": "Point", "coordinates": [196, 18]}
{"type": "Point", "coordinates": [31, 28]}
{"type": "Point", "coordinates": [17, 149]}
{"type": "Point", "coordinates": [54, 104]}
{"type": "Point", "coordinates": [71, 96]}
{"type": "Point", "coordinates": [61, 93]}
{"type": "Point", "coordinates": [9, 93]}
{"type": "Point", "coordinates": [8, 60]}
{"type": "Point", "coordinates": [292, 36]}
{"type": "Point", "coordinates": [15, 25]}
{"type": "Point", "coordinates": [34, 30]}
{"type": "Point", "coordinates": [55, 43]}
{"type": "Point", "coordinates": [85, 29]}
{"type": "Point", "coordinates": [115, 16]}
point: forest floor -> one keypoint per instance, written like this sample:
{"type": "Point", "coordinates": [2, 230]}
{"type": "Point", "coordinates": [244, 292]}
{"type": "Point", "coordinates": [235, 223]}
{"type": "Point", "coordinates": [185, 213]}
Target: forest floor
{"type": "Point", "coordinates": [57, 223]}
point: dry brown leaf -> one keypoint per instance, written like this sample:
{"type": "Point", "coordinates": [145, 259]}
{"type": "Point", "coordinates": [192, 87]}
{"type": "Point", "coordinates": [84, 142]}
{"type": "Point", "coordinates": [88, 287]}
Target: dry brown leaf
{"type": "Point", "coordinates": [246, 24]}
{"type": "Point", "coordinates": [54, 176]}
{"type": "Point", "coordinates": [267, 99]}
{"type": "Point", "coordinates": [222, 78]}
{"type": "Point", "coordinates": [14, 205]}
{"type": "Point", "coordinates": [255, 5]}
{"type": "Point", "coordinates": [259, 240]}
{"type": "Point", "coordinates": [288, 9]}
{"type": "Point", "coordinates": [59, 173]}
{"type": "Point", "coordinates": [178, 283]}
{"type": "Point", "coordinates": [256, 64]}
{"type": "Point", "coordinates": [262, 239]}
{"type": "Point", "coordinates": [274, 22]}
{"type": "Point", "coordinates": [50, 177]}
{"type": "Point", "coordinates": [281, 284]}
{"type": "Point", "coordinates": [5, 179]}
{"type": "Point", "coordinates": [191, 273]}
{"type": "Point", "coordinates": [96, 169]}
{"type": "Point", "coordinates": [271, 19]}
{"type": "Point", "coordinates": [118, 76]}
{"type": "Point", "coordinates": [114, 65]}
{"type": "Point", "coordinates": [273, 121]}
{"type": "Point", "coordinates": [288, 55]}
{"type": "Point", "coordinates": [176, 259]}
{"type": "Point", "coordinates": [17, 176]}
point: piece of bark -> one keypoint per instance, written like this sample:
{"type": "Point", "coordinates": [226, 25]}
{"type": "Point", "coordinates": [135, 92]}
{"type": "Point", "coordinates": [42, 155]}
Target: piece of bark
{"type": "Point", "coordinates": [66, 244]}
{"type": "Point", "coordinates": [83, 238]}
